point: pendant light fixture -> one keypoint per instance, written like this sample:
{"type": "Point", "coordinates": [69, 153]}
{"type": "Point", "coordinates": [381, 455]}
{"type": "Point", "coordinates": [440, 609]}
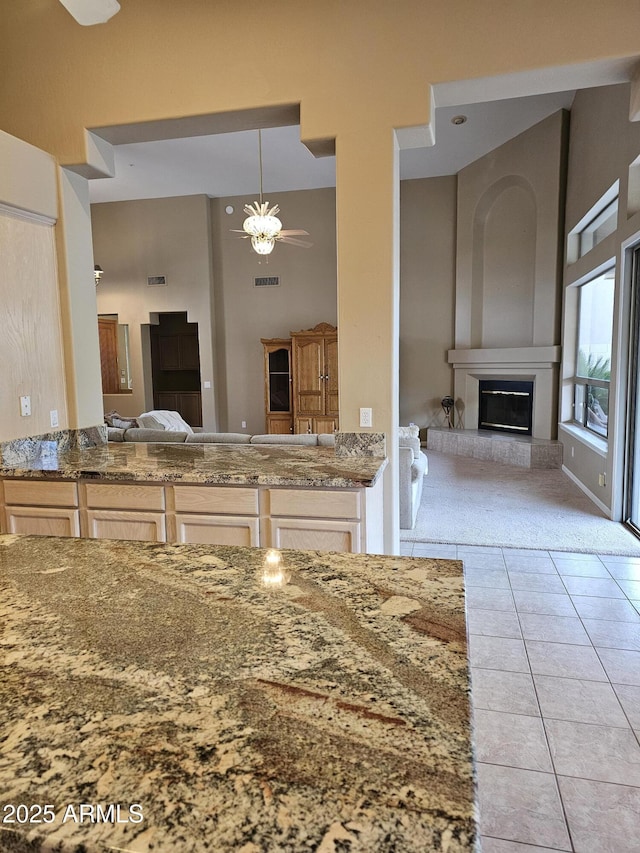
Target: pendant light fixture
{"type": "Point", "coordinates": [262, 225]}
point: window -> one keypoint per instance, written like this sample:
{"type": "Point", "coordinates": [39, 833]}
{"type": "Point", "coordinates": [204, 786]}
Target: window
{"type": "Point", "coordinates": [593, 357]}
{"type": "Point", "coordinates": [602, 224]}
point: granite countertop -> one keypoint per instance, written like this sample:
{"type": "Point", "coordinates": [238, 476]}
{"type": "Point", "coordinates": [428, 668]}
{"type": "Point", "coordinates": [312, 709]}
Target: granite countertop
{"type": "Point", "coordinates": [205, 463]}
{"type": "Point", "coordinates": [192, 702]}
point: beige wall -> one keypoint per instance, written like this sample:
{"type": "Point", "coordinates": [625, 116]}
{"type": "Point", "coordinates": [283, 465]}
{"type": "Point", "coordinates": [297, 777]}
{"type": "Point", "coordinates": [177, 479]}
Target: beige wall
{"type": "Point", "coordinates": [603, 145]}
{"type": "Point", "coordinates": [427, 297]}
{"type": "Point", "coordinates": [31, 342]}
{"type": "Point", "coordinates": [136, 239]}
{"type": "Point", "coordinates": [305, 297]}
{"type": "Point", "coordinates": [509, 241]}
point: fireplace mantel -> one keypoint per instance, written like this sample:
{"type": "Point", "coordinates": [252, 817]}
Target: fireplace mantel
{"type": "Point", "coordinates": [537, 364]}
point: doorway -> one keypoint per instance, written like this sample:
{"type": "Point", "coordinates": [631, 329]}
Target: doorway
{"type": "Point", "coordinates": [175, 366]}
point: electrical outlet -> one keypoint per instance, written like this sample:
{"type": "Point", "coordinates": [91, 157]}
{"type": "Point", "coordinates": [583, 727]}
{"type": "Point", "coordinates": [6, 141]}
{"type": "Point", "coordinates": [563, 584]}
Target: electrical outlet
{"type": "Point", "coordinates": [366, 417]}
{"type": "Point", "coordinates": [53, 417]}
{"type": "Point", "coordinates": [25, 406]}
{"type": "Point", "coordinates": [244, 424]}
{"type": "Point", "coordinates": [602, 479]}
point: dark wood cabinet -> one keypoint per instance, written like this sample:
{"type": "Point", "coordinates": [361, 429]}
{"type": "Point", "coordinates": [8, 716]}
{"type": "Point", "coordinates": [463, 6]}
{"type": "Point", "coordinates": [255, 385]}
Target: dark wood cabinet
{"type": "Point", "coordinates": [175, 359]}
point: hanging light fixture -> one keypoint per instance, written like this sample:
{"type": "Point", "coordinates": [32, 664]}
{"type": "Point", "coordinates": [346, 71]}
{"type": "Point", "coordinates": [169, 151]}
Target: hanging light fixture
{"type": "Point", "coordinates": [262, 225]}
{"type": "Point", "coordinates": [97, 274]}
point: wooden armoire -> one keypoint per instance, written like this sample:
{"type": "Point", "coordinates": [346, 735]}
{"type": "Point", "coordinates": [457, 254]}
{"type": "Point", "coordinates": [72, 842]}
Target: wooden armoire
{"type": "Point", "coordinates": [312, 403]}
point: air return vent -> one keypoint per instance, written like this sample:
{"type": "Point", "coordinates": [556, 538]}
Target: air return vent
{"type": "Point", "coordinates": [156, 280]}
{"type": "Point", "coordinates": [267, 281]}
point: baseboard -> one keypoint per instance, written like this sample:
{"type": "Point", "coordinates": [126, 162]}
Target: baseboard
{"type": "Point", "coordinates": [605, 509]}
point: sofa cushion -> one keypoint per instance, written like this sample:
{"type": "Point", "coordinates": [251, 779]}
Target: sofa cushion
{"type": "Point", "coordinates": [115, 434]}
{"type": "Point", "coordinates": [304, 438]}
{"type": "Point", "coordinates": [157, 435]}
{"type": "Point", "coordinates": [326, 439]}
{"type": "Point", "coordinates": [163, 419]}
{"type": "Point", "coordinates": [411, 431]}
{"type": "Point", "coordinates": [218, 438]}
{"type": "Point", "coordinates": [412, 442]}
{"type": "Point", "coordinates": [419, 467]}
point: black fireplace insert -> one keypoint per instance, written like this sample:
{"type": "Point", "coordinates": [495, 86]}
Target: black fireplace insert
{"type": "Point", "coordinates": [506, 406]}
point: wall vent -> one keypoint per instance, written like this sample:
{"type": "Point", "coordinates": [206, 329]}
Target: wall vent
{"type": "Point", "coordinates": [156, 280]}
{"type": "Point", "coordinates": [267, 281]}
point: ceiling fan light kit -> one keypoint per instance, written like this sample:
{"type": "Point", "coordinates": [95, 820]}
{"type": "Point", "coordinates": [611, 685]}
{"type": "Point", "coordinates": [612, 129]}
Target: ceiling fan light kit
{"type": "Point", "coordinates": [262, 225]}
{"type": "Point", "coordinates": [90, 12]}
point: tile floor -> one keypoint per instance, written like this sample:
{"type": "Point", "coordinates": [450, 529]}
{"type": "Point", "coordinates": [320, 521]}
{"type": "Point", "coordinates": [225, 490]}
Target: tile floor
{"type": "Point", "coordinates": [554, 647]}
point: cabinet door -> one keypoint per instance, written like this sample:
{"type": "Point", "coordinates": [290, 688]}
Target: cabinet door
{"type": "Point", "coordinates": [331, 380]}
{"type": "Point", "coordinates": [140, 526]}
{"type": "Point", "coordinates": [315, 534]}
{"type": "Point", "coordinates": [308, 366]}
{"type": "Point", "coordinates": [217, 530]}
{"type": "Point", "coordinates": [324, 425]}
{"type": "Point", "coordinates": [279, 424]}
{"type": "Point", "coordinates": [169, 347]}
{"type": "Point", "coordinates": [304, 425]}
{"type": "Point", "coordinates": [42, 521]}
{"type": "Point", "coordinates": [108, 337]}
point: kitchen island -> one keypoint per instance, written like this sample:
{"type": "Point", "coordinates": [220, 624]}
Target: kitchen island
{"type": "Point", "coordinates": [198, 698]}
{"type": "Point", "coordinates": [222, 494]}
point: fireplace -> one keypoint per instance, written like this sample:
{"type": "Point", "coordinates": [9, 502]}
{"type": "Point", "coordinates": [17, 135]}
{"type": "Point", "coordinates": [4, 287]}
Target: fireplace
{"type": "Point", "coordinates": [505, 406]}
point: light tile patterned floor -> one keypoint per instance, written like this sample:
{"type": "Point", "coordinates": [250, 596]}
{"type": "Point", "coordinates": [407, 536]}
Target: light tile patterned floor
{"type": "Point", "coordinates": [554, 648]}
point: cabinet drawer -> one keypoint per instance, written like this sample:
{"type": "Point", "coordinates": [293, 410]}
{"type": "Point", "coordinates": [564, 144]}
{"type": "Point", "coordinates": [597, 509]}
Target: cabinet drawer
{"type": "Point", "coordinates": [40, 493]}
{"type": "Point", "coordinates": [140, 526]}
{"type": "Point", "coordinates": [315, 503]}
{"type": "Point", "coordinates": [216, 499]}
{"type": "Point", "coordinates": [103, 496]}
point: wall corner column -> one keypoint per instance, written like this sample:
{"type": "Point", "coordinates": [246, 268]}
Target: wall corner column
{"type": "Point", "coordinates": [368, 222]}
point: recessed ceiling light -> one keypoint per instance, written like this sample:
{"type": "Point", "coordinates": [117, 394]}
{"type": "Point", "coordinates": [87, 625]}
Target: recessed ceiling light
{"type": "Point", "coordinates": [458, 120]}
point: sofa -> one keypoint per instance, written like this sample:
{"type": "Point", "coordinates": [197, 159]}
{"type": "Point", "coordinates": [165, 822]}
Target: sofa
{"type": "Point", "coordinates": [164, 436]}
{"type": "Point", "coordinates": [165, 427]}
{"type": "Point", "coordinates": [413, 466]}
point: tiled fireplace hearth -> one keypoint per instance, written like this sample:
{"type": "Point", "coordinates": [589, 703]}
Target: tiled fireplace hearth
{"type": "Point", "coordinates": [503, 448]}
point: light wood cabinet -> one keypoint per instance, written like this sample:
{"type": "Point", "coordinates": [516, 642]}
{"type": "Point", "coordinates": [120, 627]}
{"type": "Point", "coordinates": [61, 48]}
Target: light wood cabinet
{"type": "Point", "coordinates": [124, 511]}
{"type": "Point", "coordinates": [277, 386]}
{"type": "Point", "coordinates": [259, 516]}
{"type": "Point", "coordinates": [41, 508]}
{"type": "Point", "coordinates": [314, 357]}
{"type": "Point", "coordinates": [301, 381]}
{"type": "Point", "coordinates": [216, 515]}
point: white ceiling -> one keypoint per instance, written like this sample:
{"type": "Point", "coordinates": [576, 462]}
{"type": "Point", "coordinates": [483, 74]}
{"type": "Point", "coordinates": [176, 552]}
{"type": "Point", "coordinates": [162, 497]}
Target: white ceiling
{"type": "Point", "coordinates": [226, 164]}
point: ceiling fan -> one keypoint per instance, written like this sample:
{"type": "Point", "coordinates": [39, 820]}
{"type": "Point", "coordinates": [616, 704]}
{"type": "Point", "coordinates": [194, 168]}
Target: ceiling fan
{"type": "Point", "coordinates": [262, 225]}
{"type": "Point", "coordinates": [89, 12]}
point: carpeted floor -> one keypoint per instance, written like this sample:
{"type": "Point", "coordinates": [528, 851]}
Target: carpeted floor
{"type": "Point", "coordinates": [472, 502]}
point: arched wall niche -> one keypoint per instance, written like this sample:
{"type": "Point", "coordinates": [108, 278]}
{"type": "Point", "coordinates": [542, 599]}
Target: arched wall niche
{"type": "Point", "coordinates": [503, 273]}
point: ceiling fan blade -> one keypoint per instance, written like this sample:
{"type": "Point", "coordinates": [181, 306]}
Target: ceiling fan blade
{"type": "Point", "coordinates": [89, 12]}
{"type": "Point", "coordinates": [288, 232]}
{"type": "Point", "coordinates": [305, 244]}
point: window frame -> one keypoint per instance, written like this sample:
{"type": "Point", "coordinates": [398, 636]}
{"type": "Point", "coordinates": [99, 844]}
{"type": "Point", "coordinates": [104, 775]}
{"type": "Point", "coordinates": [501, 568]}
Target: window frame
{"type": "Point", "coordinates": [581, 410]}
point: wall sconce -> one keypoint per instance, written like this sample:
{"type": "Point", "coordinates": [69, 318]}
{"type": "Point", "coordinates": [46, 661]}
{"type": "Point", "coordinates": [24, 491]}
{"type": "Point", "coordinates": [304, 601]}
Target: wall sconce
{"type": "Point", "coordinates": [97, 274]}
